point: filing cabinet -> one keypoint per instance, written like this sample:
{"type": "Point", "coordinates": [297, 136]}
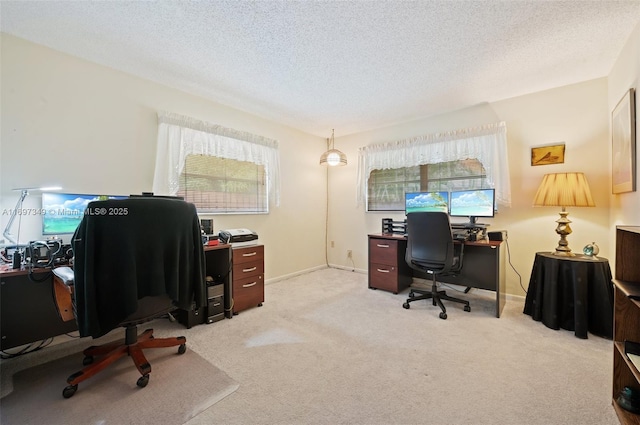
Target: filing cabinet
{"type": "Point", "coordinates": [248, 277]}
{"type": "Point", "coordinates": [388, 269]}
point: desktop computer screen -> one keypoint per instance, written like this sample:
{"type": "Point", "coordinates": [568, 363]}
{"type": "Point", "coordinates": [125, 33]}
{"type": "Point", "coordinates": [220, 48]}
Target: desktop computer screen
{"type": "Point", "coordinates": [472, 203]}
{"type": "Point", "coordinates": [426, 201]}
{"type": "Point", "coordinates": [63, 212]}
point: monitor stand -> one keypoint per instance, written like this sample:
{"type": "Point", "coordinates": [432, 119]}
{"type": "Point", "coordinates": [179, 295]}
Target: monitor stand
{"type": "Point", "coordinates": [469, 225]}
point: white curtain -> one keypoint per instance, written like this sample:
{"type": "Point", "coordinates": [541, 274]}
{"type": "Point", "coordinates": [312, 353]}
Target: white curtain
{"type": "Point", "coordinates": [487, 144]}
{"type": "Point", "coordinates": [180, 136]}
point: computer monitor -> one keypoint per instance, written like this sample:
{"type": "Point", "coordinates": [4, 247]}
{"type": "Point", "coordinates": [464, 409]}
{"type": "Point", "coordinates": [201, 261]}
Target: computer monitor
{"type": "Point", "coordinates": [63, 212]}
{"type": "Point", "coordinates": [472, 203]}
{"type": "Point", "coordinates": [426, 201]}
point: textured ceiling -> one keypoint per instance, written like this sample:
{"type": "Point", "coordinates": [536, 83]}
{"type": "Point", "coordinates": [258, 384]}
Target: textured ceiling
{"type": "Point", "coordinates": [349, 65]}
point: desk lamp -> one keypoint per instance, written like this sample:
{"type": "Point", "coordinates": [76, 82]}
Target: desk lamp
{"type": "Point", "coordinates": [563, 190]}
{"type": "Point", "coordinates": [333, 156]}
{"type": "Point", "coordinates": [17, 211]}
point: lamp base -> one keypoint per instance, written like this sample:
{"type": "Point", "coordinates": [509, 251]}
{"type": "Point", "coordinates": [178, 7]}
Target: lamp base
{"type": "Point", "coordinates": [563, 229]}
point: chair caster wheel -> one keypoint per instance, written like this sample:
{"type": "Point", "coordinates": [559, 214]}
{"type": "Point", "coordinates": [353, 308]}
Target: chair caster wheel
{"type": "Point", "coordinates": [143, 381]}
{"type": "Point", "coordinates": [405, 305]}
{"type": "Point", "coordinates": [443, 315]}
{"type": "Point", "coordinates": [467, 308]}
{"type": "Point", "coordinates": [69, 391]}
{"type": "Point", "coordinates": [87, 360]}
{"type": "Point", "coordinates": [411, 294]}
{"type": "Point", "coordinates": [182, 348]}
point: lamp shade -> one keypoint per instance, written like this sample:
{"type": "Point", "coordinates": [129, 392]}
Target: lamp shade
{"type": "Point", "coordinates": [564, 190]}
{"type": "Point", "coordinates": [333, 157]}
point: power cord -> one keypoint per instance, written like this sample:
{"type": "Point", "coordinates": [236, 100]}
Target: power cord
{"type": "Point", "coordinates": [30, 348]}
{"type": "Point", "coordinates": [326, 219]}
{"type": "Point", "coordinates": [512, 266]}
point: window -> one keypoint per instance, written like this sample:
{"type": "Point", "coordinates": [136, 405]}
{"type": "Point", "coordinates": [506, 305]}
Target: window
{"type": "Point", "coordinates": [219, 185]}
{"type": "Point", "coordinates": [461, 159]}
{"type": "Point", "coordinates": [219, 169]}
{"type": "Point", "coordinates": [386, 188]}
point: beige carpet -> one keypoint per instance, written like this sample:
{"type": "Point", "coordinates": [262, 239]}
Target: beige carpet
{"type": "Point", "coordinates": [180, 387]}
{"type": "Point", "coordinates": [326, 350]}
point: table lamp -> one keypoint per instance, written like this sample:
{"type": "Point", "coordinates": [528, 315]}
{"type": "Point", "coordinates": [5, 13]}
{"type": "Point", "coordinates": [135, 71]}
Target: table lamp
{"type": "Point", "coordinates": [563, 190]}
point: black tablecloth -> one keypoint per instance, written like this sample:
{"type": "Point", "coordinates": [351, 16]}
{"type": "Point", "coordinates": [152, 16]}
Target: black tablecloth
{"type": "Point", "coordinates": [573, 293]}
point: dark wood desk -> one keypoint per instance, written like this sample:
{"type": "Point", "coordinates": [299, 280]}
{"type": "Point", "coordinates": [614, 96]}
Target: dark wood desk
{"type": "Point", "coordinates": [572, 293]}
{"type": "Point", "coordinates": [27, 308]}
{"type": "Point", "coordinates": [483, 266]}
{"type": "Point", "coordinates": [28, 312]}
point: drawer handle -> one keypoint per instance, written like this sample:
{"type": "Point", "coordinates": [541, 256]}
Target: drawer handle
{"type": "Point", "coordinates": [216, 304]}
{"type": "Point", "coordinates": [250, 254]}
{"type": "Point", "coordinates": [383, 271]}
{"type": "Point", "coordinates": [248, 285]}
{"type": "Point", "coordinates": [249, 270]}
{"type": "Point", "coordinates": [383, 246]}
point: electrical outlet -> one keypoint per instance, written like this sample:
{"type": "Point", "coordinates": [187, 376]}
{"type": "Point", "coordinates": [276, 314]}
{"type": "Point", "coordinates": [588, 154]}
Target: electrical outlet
{"type": "Point", "coordinates": [333, 244]}
{"type": "Point", "coordinates": [349, 253]}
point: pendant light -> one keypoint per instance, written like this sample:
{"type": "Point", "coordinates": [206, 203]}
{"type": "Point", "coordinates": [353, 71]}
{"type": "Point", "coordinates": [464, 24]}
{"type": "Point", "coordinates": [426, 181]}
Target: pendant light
{"type": "Point", "coordinates": [333, 157]}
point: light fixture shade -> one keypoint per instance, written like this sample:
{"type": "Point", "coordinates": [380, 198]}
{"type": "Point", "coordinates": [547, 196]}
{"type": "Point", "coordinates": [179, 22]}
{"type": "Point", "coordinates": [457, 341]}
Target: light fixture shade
{"type": "Point", "coordinates": [564, 190]}
{"type": "Point", "coordinates": [333, 157]}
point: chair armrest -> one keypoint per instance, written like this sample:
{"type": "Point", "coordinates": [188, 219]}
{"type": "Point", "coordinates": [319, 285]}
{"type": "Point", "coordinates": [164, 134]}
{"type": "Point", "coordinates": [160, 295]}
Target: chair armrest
{"type": "Point", "coordinates": [65, 274]}
{"type": "Point", "coordinates": [63, 279]}
{"type": "Point", "coordinates": [458, 266]}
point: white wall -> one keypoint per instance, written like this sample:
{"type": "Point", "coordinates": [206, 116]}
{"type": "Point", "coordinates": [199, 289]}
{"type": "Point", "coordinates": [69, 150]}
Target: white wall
{"type": "Point", "coordinates": [91, 129]}
{"type": "Point", "coordinates": [576, 115]}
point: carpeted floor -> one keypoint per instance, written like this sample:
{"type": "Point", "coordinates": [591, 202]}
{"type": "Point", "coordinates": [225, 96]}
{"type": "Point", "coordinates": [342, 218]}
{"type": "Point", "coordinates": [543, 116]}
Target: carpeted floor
{"type": "Point", "coordinates": [180, 387]}
{"type": "Point", "coordinates": [325, 349]}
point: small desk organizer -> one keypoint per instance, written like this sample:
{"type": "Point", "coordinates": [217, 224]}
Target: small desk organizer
{"type": "Point", "coordinates": [394, 227]}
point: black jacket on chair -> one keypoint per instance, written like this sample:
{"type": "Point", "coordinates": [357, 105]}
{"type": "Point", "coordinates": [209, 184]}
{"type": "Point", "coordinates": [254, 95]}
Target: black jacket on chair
{"type": "Point", "coordinates": [132, 248]}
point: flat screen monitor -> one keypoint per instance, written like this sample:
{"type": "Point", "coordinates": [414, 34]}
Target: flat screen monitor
{"type": "Point", "coordinates": [426, 201]}
{"type": "Point", "coordinates": [63, 212]}
{"type": "Point", "coordinates": [472, 203]}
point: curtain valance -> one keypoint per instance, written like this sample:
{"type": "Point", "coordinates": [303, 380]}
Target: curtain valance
{"type": "Point", "coordinates": [487, 144]}
{"type": "Point", "coordinates": [180, 136]}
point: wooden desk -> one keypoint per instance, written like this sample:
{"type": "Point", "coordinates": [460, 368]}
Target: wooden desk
{"type": "Point", "coordinates": [28, 312]}
{"type": "Point", "coordinates": [27, 308]}
{"type": "Point", "coordinates": [573, 293]}
{"type": "Point", "coordinates": [483, 267]}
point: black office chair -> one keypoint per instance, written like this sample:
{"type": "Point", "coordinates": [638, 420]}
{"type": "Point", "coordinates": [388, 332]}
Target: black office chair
{"type": "Point", "coordinates": [135, 260]}
{"type": "Point", "coordinates": [431, 249]}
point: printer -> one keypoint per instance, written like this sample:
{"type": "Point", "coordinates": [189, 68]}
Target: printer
{"type": "Point", "coordinates": [238, 237]}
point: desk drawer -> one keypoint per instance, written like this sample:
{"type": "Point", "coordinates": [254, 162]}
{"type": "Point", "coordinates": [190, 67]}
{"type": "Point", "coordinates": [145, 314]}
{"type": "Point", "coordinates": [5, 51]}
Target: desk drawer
{"type": "Point", "coordinates": [384, 276]}
{"type": "Point", "coordinates": [244, 270]}
{"type": "Point", "coordinates": [383, 251]}
{"type": "Point", "coordinates": [248, 292]}
{"type": "Point", "coordinates": [248, 254]}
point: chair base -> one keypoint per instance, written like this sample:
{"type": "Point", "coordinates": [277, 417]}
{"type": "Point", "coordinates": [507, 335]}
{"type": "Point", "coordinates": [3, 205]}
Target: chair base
{"type": "Point", "coordinates": [437, 297]}
{"type": "Point", "coordinates": [99, 357]}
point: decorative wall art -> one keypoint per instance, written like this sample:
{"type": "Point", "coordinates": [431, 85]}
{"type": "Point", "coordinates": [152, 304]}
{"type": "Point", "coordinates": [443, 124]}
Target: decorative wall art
{"type": "Point", "coordinates": [623, 139]}
{"type": "Point", "coordinates": [545, 155]}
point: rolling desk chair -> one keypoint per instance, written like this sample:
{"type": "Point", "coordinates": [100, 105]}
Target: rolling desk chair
{"type": "Point", "coordinates": [135, 260]}
{"type": "Point", "coordinates": [431, 249]}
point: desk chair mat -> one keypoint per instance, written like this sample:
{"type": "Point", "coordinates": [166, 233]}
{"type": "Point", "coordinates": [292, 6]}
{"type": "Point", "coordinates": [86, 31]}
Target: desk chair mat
{"type": "Point", "coordinates": [180, 387]}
